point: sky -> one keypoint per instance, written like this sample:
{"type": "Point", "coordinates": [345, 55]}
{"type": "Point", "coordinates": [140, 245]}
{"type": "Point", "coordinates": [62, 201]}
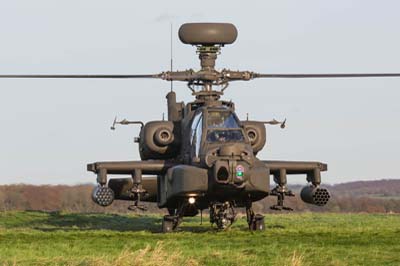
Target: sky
{"type": "Point", "coordinates": [50, 129]}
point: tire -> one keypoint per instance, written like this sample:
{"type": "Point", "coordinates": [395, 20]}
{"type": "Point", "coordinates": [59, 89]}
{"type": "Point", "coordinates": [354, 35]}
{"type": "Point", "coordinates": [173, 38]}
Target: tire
{"type": "Point", "coordinates": [258, 224]}
{"type": "Point", "coordinates": [167, 225]}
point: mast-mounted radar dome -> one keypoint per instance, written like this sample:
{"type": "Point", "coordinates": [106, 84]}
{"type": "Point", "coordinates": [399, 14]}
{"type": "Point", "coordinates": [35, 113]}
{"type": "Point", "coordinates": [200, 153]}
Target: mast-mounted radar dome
{"type": "Point", "coordinates": [207, 33]}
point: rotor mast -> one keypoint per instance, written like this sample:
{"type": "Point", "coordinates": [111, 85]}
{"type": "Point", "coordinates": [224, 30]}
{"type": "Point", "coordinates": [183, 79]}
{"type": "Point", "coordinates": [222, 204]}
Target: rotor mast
{"type": "Point", "coordinates": [208, 56]}
{"type": "Point", "coordinates": [208, 38]}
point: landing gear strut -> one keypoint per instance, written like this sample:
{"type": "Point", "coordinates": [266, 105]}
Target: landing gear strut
{"type": "Point", "coordinates": [222, 214]}
{"type": "Point", "coordinates": [255, 221]}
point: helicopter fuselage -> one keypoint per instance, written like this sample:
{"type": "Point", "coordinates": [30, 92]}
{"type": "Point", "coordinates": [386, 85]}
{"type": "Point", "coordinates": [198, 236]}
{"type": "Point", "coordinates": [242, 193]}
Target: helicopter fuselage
{"type": "Point", "coordinates": [203, 153]}
{"type": "Point", "coordinates": [203, 156]}
{"type": "Point", "coordinates": [219, 163]}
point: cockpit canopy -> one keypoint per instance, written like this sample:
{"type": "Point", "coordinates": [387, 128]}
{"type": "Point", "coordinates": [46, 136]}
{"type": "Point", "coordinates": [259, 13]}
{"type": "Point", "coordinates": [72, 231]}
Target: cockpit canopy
{"type": "Point", "coordinates": [221, 119]}
{"type": "Point", "coordinates": [223, 126]}
{"type": "Point", "coordinates": [222, 135]}
{"type": "Point", "coordinates": [220, 125]}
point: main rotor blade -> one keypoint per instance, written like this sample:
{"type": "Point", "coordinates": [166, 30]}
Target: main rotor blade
{"type": "Point", "coordinates": [79, 76]}
{"type": "Point", "coordinates": [299, 76]}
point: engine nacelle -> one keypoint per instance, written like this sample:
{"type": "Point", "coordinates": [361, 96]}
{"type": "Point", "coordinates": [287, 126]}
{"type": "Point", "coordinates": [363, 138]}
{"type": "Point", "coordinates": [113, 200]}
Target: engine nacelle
{"type": "Point", "coordinates": [256, 134]}
{"type": "Point", "coordinates": [159, 140]}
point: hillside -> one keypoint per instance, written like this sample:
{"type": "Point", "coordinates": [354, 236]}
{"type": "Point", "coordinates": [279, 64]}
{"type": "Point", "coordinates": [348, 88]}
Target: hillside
{"type": "Point", "coordinates": [379, 188]}
{"type": "Point", "coordinates": [362, 196]}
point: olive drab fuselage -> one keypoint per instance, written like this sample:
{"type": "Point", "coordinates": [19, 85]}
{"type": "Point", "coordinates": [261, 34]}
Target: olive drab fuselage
{"type": "Point", "coordinates": [214, 140]}
{"type": "Point", "coordinates": [203, 151]}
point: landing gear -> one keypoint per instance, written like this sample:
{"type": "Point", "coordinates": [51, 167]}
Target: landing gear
{"type": "Point", "coordinates": [172, 212]}
{"type": "Point", "coordinates": [172, 221]}
{"type": "Point", "coordinates": [255, 221]}
{"type": "Point", "coordinates": [169, 223]}
{"type": "Point", "coordinates": [258, 223]}
{"type": "Point", "coordinates": [222, 214]}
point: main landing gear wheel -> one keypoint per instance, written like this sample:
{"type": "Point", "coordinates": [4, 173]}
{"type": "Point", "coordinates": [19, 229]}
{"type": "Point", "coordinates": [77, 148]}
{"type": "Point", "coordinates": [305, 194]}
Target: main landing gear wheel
{"type": "Point", "coordinates": [222, 214]}
{"type": "Point", "coordinates": [255, 221]}
{"type": "Point", "coordinates": [258, 223]}
{"type": "Point", "coordinates": [169, 223]}
{"type": "Point", "coordinates": [172, 221]}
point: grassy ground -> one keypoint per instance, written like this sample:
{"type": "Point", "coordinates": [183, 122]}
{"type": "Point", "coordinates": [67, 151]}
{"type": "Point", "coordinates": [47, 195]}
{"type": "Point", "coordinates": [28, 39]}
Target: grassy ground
{"type": "Point", "coordinates": [37, 238]}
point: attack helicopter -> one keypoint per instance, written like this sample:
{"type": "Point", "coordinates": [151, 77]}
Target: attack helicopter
{"type": "Point", "coordinates": [203, 156]}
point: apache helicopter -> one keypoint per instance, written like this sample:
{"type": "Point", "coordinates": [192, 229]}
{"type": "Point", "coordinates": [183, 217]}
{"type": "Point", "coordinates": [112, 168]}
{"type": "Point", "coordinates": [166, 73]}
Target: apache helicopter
{"type": "Point", "coordinates": [203, 156]}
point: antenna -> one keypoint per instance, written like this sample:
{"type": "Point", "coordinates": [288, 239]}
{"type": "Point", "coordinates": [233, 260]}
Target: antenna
{"type": "Point", "coordinates": [171, 53]}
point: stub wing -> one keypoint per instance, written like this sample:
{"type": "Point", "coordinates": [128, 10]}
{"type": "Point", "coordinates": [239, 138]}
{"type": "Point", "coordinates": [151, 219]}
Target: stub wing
{"type": "Point", "coordinates": [282, 168]}
{"type": "Point", "coordinates": [295, 167]}
{"type": "Point", "coordinates": [312, 194]}
{"type": "Point", "coordinates": [136, 187]}
{"type": "Point", "coordinates": [148, 167]}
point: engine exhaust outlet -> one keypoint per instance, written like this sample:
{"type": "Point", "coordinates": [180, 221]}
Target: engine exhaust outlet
{"type": "Point", "coordinates": [315, 195]}
{"type": "Point", "coordinates": [163, 137]}
{"type": "Point", "coordinates": [103, 196]}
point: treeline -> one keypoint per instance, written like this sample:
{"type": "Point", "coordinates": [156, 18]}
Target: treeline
{"type": "Point", "coordinates": [368, 196]}
{"type": "Point", "coordinates": [339, 204]}
{"type": "Point", "coordinates": [53, 198]}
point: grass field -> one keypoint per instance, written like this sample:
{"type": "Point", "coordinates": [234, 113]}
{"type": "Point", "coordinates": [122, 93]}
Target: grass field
{"type": "Point", "coordinates": [38, 238]}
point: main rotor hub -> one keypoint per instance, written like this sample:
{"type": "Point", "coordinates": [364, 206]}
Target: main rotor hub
{"type": "Point", "coordinates": [209, 38]}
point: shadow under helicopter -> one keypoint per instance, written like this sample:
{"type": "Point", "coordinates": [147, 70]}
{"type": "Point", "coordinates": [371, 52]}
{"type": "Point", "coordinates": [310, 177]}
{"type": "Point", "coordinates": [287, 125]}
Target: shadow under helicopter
{"type": "Point", "coordinates": [57, 221]}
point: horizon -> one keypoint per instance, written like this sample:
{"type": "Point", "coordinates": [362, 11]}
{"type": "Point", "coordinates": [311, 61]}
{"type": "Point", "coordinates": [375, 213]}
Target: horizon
{"type": "Point", "coordinates": [271, 183]}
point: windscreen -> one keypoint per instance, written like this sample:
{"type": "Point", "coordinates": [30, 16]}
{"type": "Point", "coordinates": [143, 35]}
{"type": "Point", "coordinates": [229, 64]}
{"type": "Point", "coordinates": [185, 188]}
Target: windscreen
{"type": "Point", "coordinates": [223, 127]}
{"type": "Point", "coordinates": [221, 119]}
{"type": "Point", "coordinates": [229, 135]}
